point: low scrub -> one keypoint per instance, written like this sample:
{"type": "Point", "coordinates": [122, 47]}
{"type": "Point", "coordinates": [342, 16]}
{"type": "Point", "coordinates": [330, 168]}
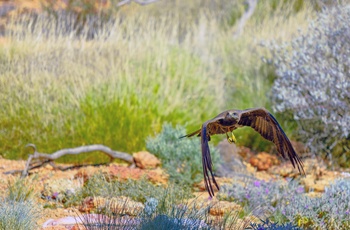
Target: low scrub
{"type": "Point", "coordinates": [18, 211]}
{"type": "Point", "coordinates": [284, 203]}
{"type": "Point", "coordinates": [181, 158]}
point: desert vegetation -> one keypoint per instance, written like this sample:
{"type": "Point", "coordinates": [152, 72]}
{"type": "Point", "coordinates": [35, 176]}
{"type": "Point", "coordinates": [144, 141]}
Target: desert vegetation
{"type": "Point", "coordinates": [135, 77]}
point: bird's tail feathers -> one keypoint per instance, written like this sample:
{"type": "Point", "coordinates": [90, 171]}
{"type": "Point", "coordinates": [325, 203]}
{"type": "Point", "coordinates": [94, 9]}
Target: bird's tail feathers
{"type": "Point", "coordinates": [192, 134]}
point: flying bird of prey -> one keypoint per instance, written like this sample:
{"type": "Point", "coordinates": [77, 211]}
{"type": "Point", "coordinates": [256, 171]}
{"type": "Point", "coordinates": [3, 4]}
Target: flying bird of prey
{"type": "Point", "coordinates": [260, 120]}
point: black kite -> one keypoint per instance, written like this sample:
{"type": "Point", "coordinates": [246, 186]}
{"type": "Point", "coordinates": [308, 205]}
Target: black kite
{"type": "Point", "coordinates": [260, 120]}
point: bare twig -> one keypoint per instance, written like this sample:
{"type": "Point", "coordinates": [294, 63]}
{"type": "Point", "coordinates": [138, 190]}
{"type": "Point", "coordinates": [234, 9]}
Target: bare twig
{"type": "Point", "coordinates": [243, 20]}
{"type": "Point", "coordinates": [38, 159]}
{"type": "Point", "coordinates": [140, 2]}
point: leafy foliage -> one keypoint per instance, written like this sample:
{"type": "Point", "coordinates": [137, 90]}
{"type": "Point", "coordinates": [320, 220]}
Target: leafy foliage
{"type": "Point", "coordinates": [313, 81]}
{"type": "Point", "coordinates": [181, 158]}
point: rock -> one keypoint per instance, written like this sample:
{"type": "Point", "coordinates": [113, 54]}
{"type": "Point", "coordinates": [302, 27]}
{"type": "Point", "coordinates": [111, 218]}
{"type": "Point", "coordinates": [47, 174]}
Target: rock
{"type": "Point", "coordinates": [119, 205]}
{"type": "Point", "coordinates": [311, 166]}
{"type": "Point", "coordinates": [93, 220]}
{"type": "Point", "coordinates": [124, 173]}
{"type": "Point", "coordinates": [263, 161]}
{"type": "Point", "coordinates": [245, 152]}
{"type": "Point", "coordinates": [217, 208]}
{"type": "Point", "coordinates": [220, 180]}
{"type": "Point", "coordinates": [314, 166]}
{"type": "Point", "coordinates": [284, 170]}
{"type": "Point", "coordinates": [61, 223]}
{"type": "Point", "coordinates": [250, 169]}
{"type": "Point", "coordinates": [231, 161]}
{"type": "Point", "coordinates": [299, 147]}
{"type": "Point", "coordinates": [317, 183]}
{"type": "Point", "coordinates": [60, 189]}
{"type": "Point", "coordinates": [222, 207]}
{"type": "Point", "coordinates": [263, 175]}
{"type": "Point", "coordinates": [146, 160]}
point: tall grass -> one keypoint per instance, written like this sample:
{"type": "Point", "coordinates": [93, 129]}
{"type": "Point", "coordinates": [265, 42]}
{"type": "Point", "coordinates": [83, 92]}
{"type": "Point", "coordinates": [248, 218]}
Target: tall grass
{"type": "Point", "coordinates": [147, 65]}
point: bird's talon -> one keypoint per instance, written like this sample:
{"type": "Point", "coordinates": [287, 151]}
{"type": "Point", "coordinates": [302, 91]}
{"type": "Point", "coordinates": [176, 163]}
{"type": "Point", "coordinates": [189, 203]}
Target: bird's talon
{"type": "Point", "coordinates": [231, 139]}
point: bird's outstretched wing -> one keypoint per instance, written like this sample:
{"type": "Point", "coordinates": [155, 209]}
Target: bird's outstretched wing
{"type": "Point", "coordinates": [206, 160]}
{"type": "Point", "coordinates": [209, 128]}
{"type": "Point", "coordinates": [264, 123]}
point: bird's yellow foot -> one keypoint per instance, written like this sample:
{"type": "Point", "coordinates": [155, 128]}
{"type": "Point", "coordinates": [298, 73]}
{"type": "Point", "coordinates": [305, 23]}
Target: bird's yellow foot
{"type": "Point", "coordinates": [231, 139]}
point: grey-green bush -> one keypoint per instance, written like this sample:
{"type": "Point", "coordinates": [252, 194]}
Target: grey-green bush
{"type": "Point", "coordinates": [181, 158]}
{"type": "Point", "coordinates": [17, 209]}
{"type": "Point", "coordinates": [313, 82]}
{"type": "Point", "coordinates": [17, 215]}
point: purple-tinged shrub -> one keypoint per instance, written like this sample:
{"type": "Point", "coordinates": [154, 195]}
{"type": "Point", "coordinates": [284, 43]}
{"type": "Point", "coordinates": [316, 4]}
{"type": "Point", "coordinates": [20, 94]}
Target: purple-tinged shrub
{"type": "Point", "coordinates": [313, 82]}
{"type": "Point", "coordinates": [263, 198]}
{"type": "Point", "coordinates": [267, 225]}
{"type": "Point", "coordinates": [288, 203]}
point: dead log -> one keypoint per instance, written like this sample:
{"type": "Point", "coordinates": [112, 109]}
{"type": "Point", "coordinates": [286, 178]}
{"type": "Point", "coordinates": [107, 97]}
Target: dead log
{"type": "Point", "coordinates": [140, 2]}
{"type": "Point", "coordinates": [245, 17]}
{"type": "Point", "coordinates": [38, 159]}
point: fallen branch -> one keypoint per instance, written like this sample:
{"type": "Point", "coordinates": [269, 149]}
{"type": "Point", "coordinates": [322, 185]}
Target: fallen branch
{"type": "Point", "coordinates": [140, 2]}
{"type": "Point", "coordinates": [242, 21]}
{"type": "Point", "coordinates": [38, 159]}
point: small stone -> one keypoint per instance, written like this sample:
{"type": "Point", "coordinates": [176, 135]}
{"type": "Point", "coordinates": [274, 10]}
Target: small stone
{"type": "Point", "coordinates": [318, 182]}
{"type": "Point", "coordinates": [222, 207]}
{"type": "Point", "coordinates": [245, 152]}
{"type": "Point", "coordinates": [231, 162]}
{"type": "Point", "coordinates": [263, 161]}
{"type": "Point", "coordinates": [124, 173]}
{"type": "Point", "coordinates": [119, 205]}
{"type": "Point", "coordinates": [220, 180]}
{"type": "Point", "coordinates": [299, 147]}
{"type": "Point", "coordinates": [60, 188]}
{"type": "Point", "coordinates": [146, 160]}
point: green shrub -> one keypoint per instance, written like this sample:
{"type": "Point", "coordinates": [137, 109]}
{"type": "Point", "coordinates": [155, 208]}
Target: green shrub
{"type": "Point", "coordinates": [182, 158]}
{"type": "Point", "coordinates": [138, 190]}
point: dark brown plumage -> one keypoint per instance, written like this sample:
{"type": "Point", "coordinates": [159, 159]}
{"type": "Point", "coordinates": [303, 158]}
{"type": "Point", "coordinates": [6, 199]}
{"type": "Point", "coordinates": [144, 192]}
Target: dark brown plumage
{"type": "Point", "coordinates": [260, 120]}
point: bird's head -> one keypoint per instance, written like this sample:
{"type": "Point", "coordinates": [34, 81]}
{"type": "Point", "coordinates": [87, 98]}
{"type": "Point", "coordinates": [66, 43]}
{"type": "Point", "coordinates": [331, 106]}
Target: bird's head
{"type": "Point", "coordinates": [232, 115]}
